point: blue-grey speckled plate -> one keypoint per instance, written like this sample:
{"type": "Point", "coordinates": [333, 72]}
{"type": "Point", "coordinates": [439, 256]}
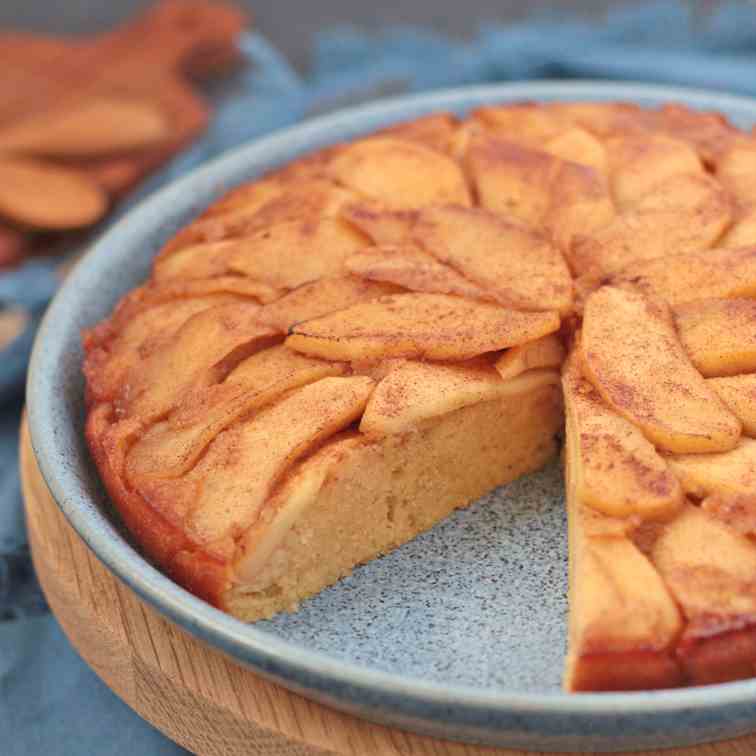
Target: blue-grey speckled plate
{"type": "Point", "coordinates": [460, 634]}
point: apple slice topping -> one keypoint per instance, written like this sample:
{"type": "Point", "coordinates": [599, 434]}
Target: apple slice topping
{"type": "Point", "coordinates": [408, 266]}
{"type": "Point", "coordinates": [715, 273]}
{"type": "Point", "coordinates": [519, 267]}
{"type": "Point", "coordinates": [224, 492]}
{"type": "Point", "coordinates": [416, 391]}
{"type": "Point", "coordinates": [428, 326]}
{"type": "Point", "coordinates": [738, 392]}
{"type": "Point", "coordinates": [170, 448]}
{"type": "Point", "coordinates": [730, 472]}
{"type": "Point", "coordinates": [400, 173]}
{"type": "Point", "coordinates": [613, 467]}
{"type": "Point", "coordinates": [632, 355]}
{"type": "Point", "coordinates": [719, 335]}
{"type": "Point", "coordinates": [546, 352]}
{"type": "Point", "coordinates": [317, 298]}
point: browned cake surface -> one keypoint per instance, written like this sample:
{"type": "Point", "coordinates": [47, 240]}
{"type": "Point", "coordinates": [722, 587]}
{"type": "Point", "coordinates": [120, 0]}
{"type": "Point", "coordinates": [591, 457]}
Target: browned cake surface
{"type": "Point", "coordinates": [334, 357]}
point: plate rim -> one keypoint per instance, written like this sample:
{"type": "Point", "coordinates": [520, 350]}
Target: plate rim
{"type": "Point", "coordinates": [288, 663]}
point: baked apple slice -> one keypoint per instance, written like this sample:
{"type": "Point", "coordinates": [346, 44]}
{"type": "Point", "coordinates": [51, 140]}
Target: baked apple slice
{"type": "Point", "coordinates": [399, 173]}
{"type": "Point", "coordinates": [685, 213]}
{"type": "Point", "coordinates": [639, 162]}
{"type": "Point", "coordinates": [546, 352]}
{"type": "Point", "coordinates": [202, 351]}
{"type": "Point", "coordinates": [719, 335]}
{"type": "Point", "coordinates": [579, 146]}
{"type": "Point", "coordinates": [171, 447]}
{"type": "Point", "coordinates": [223, 493]}
{"type": "Point", "coordinates": [715, 273]}
{"type": "Point", "coordinates": [290, 254]}
{"type": "Point", "coordinates": [736, 169]}
{"type": "Point", "coordinates": [623, 623]}
{"type": "Point", "coordinates": [631, 353]}
{"type": "Point", "coordinates": [408, 266]}
{"type": "Point", "coordinates": [428, 326]}
{"type": "Point", "coordinates": [381, 225]}
{"type": "Point", "coordinates": [436, 130]}
{"type": "Point", "coordinates": [737, 511]}
{"type": "Point", "coordinates": [519, 267]}
{"type": "Point", "coordinates": [317, 298]}
{"type": "Point", "coordinates": [710, 569]}
{"type": "Point", "coordinates": [730, 472]}
{"type": "Point", "coordinates": [743, 231]}
{"type": "Point", "coordinates": [251, 208]}
{"type": "Point", "coordinates": [416, 391]}
{"type": "Point", "coordinates": [738, 392]}
{"type": "Point", "coordinates": [138, 330]}
{"type": "Point", "coordinates": [523, 123]}
{"type": "Point", "coordinates": [613, 467]}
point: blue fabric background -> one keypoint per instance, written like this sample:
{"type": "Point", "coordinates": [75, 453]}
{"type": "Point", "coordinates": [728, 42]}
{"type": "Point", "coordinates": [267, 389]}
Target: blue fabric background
{"type": "Point", "coordinates": [50, 702]}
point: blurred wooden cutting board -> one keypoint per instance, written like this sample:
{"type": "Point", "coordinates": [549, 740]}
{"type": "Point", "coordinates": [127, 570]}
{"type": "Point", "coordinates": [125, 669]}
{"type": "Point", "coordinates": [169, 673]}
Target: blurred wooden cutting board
{"type": "Point", "coordinates": [82, 120]}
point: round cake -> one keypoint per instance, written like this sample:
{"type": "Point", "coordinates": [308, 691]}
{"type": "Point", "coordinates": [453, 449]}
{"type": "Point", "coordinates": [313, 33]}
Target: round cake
{"type": "Point", "coordinates": [336, 356]}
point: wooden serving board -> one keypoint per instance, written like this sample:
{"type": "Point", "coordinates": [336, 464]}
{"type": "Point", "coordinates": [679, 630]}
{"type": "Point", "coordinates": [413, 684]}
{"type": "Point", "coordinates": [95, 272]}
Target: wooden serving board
{"type": "Point", "coordinates": [194, 694]}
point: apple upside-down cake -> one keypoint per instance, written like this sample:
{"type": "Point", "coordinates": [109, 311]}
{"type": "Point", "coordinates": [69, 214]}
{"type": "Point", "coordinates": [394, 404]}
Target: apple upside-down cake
{"type": "Point", "coordinates": [333, 358]}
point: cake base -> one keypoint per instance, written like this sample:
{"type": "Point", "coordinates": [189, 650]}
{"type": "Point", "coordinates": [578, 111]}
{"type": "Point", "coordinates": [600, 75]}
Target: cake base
{"type": "Point", "coordinates": [193, 694]}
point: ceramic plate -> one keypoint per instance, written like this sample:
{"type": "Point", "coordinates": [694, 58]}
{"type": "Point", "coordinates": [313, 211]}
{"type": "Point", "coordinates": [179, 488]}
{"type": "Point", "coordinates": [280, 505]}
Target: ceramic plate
{"type": "Point", "coordinates": [459, 634]}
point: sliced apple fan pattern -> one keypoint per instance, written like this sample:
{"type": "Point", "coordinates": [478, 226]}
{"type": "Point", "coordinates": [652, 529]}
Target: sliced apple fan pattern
{"type": "Point", "coordinates": [446, 262]}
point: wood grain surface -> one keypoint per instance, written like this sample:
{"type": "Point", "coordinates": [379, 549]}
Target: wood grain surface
{"type": "Point", "coordinates": [195, 695]}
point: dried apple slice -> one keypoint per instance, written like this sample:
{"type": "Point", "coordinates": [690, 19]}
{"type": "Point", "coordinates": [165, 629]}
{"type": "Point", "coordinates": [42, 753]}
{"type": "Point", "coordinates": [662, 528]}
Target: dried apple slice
{"type": "Point", "coordinates": [519, 267]}
{"type": "Point", "coordinates": [631, 354]}
{"type": "Point", "coordinates": [623, 622]}
{"type": "Point", "coordinates": [685, 213]}
{"type": "Point", "coordinates": [730, 472]}
{"type": "Point", "coordinates": [682, 278]}
{"type": "Point", "coordinates": [710, 569]}
{"type": "Point", "coordinates": [230, 484]}
{"type": "Point", "coordinates": [95, 127]}
{"type": "Point", "coordinates": [203, 350]}
{"type": "Point", "coordinates": [431, 326]}
{"type": "Point", "coordinates": [416, 391]}
{"type": "Point", "coordinates": [738, 392]}
{"type": "Point", "coordinates": [290, 254]}
{"type": "Point", "coordinates": [719, 335]}
{"type": "Point", "coordinates": [400, 173]}
{"type": "Point", "coordinates": [613, 467]}
{"type": "Point", "coordinates": [169, 449]}
{"type": "Point", "coordinates": [408, 266]}
{"type": "Point", "coordinates": [320, 297]}
{"type": "Point", "coordinates": [579, 146]}
{"type": "Point", "coordinates": [639, 162]}
{"type": "Point", "coordinates": [546, 352]}
{"type": "Point", "coordinates": [383, 226]}
{"type": "Point", "coordinates": [46, 196]}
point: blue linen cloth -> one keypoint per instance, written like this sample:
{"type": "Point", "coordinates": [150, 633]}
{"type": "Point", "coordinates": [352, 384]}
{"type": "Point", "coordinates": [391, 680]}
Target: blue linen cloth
{"type": "Point", "coordinates": [50, 701]}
